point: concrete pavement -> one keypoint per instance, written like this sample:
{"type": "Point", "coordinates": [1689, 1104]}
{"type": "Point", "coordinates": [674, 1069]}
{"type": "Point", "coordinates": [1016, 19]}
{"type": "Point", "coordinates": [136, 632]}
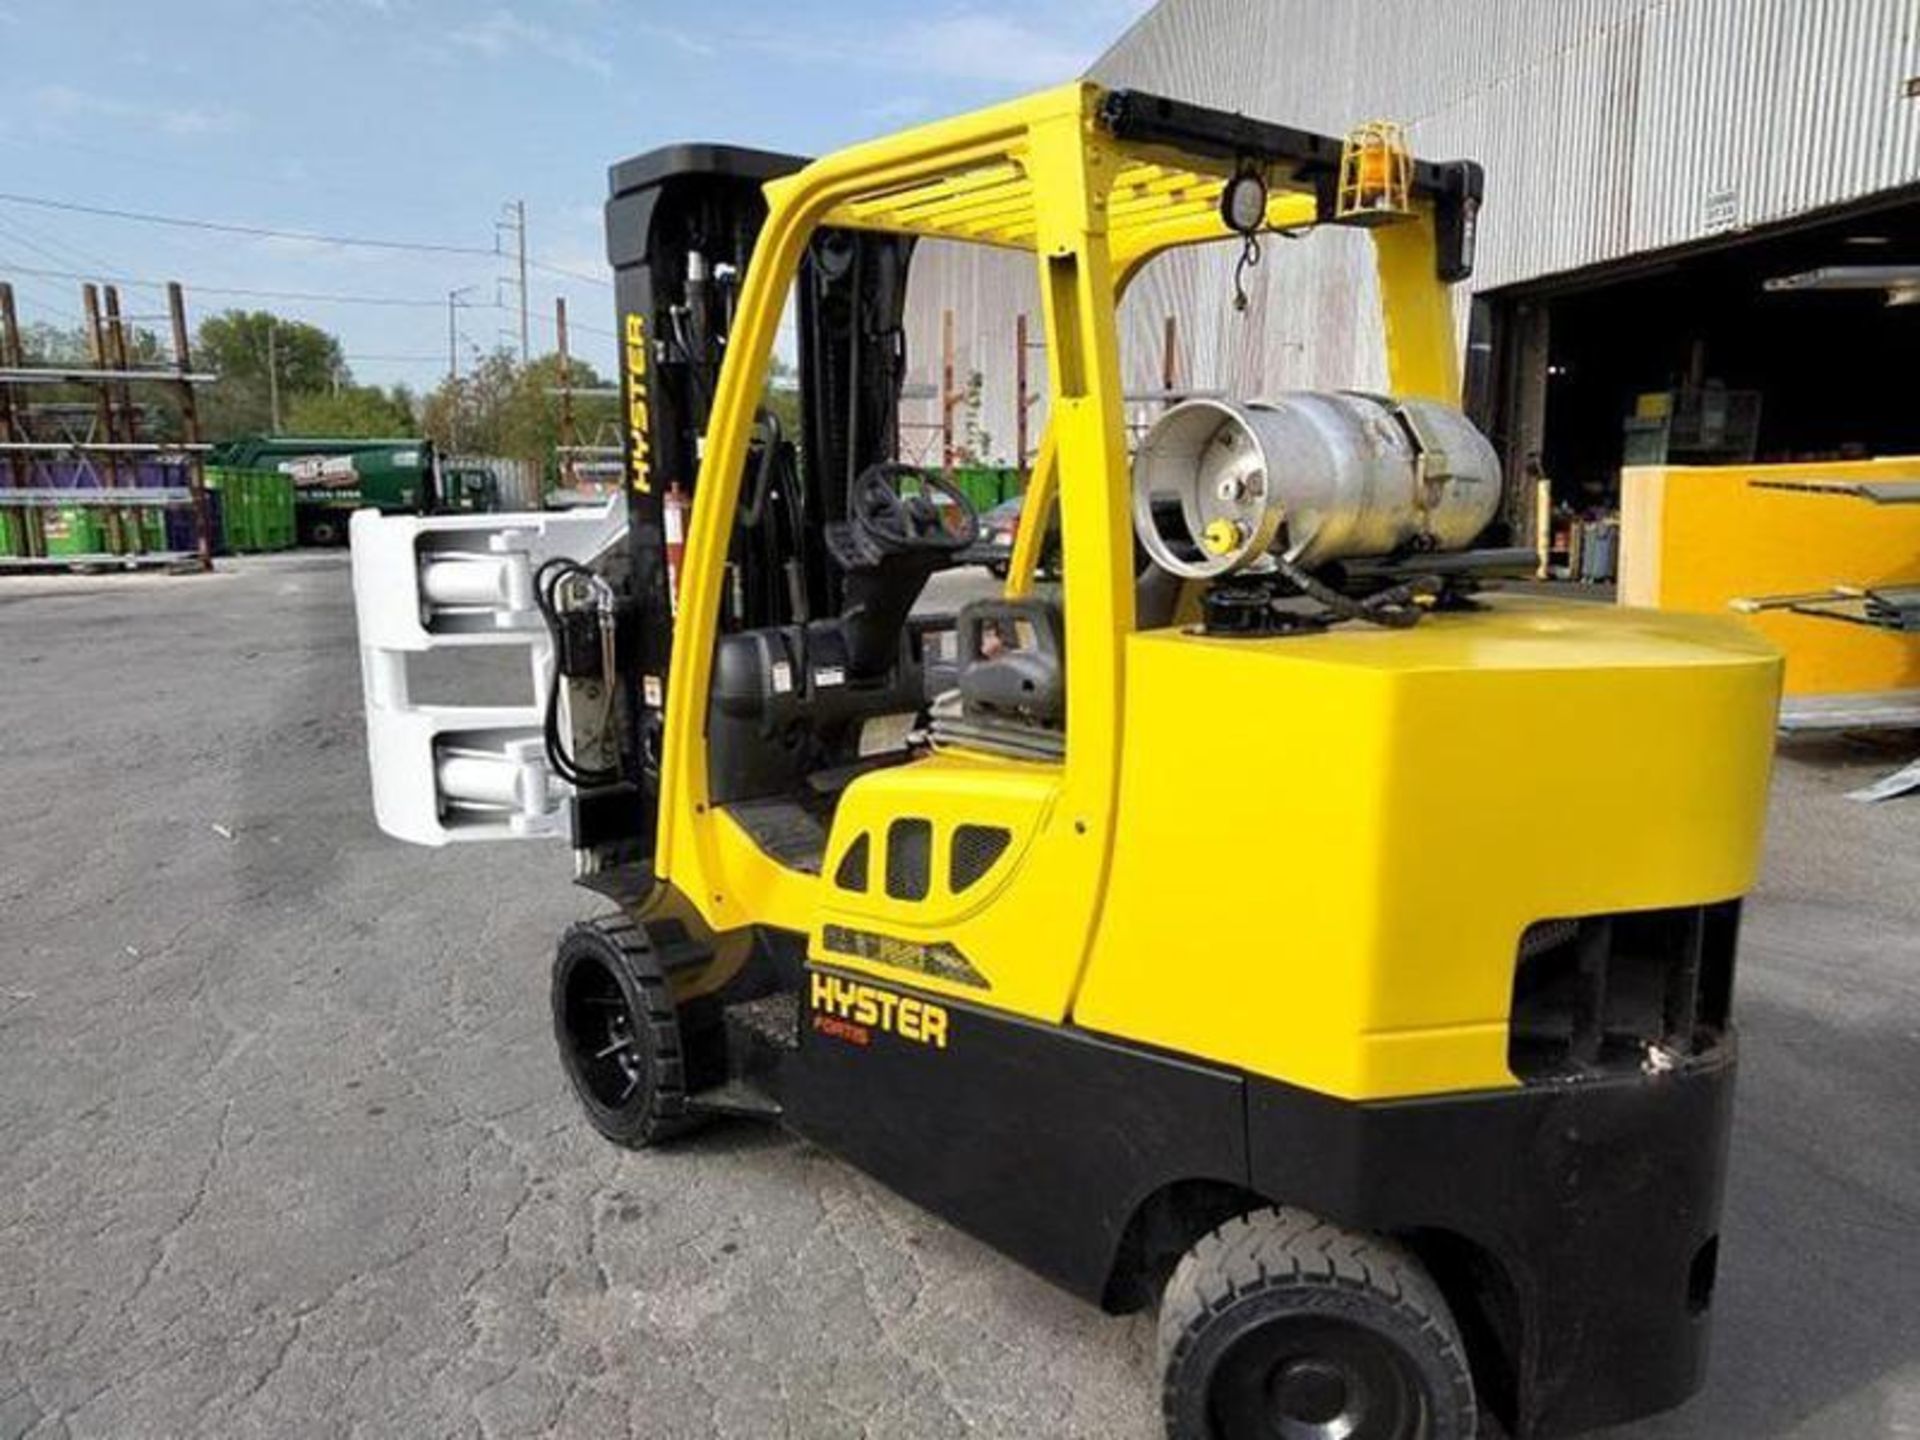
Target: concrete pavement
{"type": "Point", "coordinates": [284, 1149]}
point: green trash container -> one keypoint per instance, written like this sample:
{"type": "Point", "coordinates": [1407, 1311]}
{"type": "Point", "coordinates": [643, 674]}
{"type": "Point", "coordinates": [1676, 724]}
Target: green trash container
{"type": "Point", "coordinates": [987, 485]}
{"type": "Point", "coordinates": [256, 508]}
{"type": "Point", "coordinates": [73, 530]}
{"type": "Point", "coordinates": [13, 534]}
{"type": "Point", "coordinates": [243, 527]}
{"type": "Point", "coordinates": [273, 510]}
{"type": "Point", "coordinates": [126, 530]}
{"type": "Point", "coordinates": [236, 507]}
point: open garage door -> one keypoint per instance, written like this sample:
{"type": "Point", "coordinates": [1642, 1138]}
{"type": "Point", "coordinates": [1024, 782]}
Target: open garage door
{"type": "Point", "coordinates": [1704, 356]}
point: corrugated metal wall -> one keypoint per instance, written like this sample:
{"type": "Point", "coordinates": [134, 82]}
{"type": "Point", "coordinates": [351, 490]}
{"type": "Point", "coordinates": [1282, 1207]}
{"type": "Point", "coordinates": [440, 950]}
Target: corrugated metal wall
{"type": "Point", "coordinates": [1608, 128]}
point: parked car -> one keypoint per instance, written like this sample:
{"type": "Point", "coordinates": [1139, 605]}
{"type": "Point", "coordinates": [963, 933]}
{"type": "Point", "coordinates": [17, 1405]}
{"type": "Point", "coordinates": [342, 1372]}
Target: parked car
{"type": "Point", "coordinates": [994, 548]}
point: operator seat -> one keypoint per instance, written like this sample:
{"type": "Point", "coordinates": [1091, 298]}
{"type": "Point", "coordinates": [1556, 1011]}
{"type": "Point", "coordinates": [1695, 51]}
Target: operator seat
{"type": "Point", "coordinates": [798, 711]}
{"type": "Point", "coordinates": [1010, 697]}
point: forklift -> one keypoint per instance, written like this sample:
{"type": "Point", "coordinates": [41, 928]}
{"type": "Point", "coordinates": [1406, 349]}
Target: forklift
{"type": "Point", "coordinates": [1192, 930]}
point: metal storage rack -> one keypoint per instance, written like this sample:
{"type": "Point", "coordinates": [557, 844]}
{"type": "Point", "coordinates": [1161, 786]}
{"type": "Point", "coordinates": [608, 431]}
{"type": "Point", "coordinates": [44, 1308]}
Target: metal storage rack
{"type": "Point", "coordinates": [102, 437]}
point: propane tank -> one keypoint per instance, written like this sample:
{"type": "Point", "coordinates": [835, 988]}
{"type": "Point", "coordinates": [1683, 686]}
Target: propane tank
{"type": "Point", "coordinates": [1313, 476]}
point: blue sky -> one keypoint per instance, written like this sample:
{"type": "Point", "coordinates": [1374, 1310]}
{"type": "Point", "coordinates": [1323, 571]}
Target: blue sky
{"type": "Point", "coordinates": [418, 119]}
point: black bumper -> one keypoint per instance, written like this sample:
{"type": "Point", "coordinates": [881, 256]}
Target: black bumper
{"type": "Point", "coordinates": [1573, 1224]}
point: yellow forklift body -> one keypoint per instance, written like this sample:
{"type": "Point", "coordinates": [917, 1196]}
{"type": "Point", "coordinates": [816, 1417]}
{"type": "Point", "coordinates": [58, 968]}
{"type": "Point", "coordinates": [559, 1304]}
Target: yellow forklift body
{"type": "Point", "coordinates": [1035, 173]}
{"type": "Point", "coordinates": [1301, 786]}
{"type": "Point", "coordinates": [1372, 917]}
{"type": "Point", "coordinates": [1350, 833]}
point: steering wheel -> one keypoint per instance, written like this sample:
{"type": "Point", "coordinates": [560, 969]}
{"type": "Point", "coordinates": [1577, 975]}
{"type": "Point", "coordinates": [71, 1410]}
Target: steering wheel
{"type": "Point", "coordinates": [912, 522]}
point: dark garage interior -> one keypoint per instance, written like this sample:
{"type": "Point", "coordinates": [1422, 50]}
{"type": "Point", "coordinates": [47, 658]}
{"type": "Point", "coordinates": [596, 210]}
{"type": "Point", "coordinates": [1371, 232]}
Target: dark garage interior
{"type": "Point", "coordinates": [1827, 374]}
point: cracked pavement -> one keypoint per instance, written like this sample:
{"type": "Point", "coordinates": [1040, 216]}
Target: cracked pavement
{"type": "Point", "coordinates": [284, 1150]}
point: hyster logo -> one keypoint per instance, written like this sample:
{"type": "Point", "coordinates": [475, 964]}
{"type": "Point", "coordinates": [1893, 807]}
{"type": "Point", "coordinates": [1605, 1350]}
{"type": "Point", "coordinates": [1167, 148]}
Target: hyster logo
{"type": "Point", "coordinates": [639, 454]}
{"type": "Point", "coordinates": [850, 1011]}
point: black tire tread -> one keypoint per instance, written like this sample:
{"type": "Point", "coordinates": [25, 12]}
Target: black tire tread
{"type": "Point", "coordinates": [1282, 1247]}
{"type": "Point", "coordinates": [668, 1115]}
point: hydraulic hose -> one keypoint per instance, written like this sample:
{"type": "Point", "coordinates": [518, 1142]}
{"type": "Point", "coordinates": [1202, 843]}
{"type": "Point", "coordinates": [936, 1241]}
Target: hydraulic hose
{"type": "Point", "coordinates": [1397, 608]}
{"type": "Point", "coordinates": [546, 582]}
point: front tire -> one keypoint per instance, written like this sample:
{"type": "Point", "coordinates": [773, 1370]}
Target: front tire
{"type": "Point", "coordinates": [1281, 1326]}
{"type": "Point", "coordinates": [618, 1033]}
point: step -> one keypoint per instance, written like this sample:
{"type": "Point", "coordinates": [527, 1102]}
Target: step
{"type": "Point", "coordinates": [735, 1097]}
{"type": "Point", "coordinates": [769, 1020]}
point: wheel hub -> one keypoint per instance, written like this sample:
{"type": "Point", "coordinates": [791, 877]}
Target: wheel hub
{"type": "Point", "coordinates": [1311, 1400]}
{"type": "Point", "coordinates": [1316, 1378]}
{"type": "Point", "coordinates": [600, 1029]}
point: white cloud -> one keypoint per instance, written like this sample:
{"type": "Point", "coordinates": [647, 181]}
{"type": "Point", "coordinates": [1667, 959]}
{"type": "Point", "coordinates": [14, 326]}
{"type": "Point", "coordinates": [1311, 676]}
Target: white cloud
{"type": "Point", "coordinates": [504, 33]}
{"type": "Point", "coordinates": [898, 109]}
{"type": "Point", "coordinates": [683, 40]}
{"type": "Point", "coordinates": [184, 121]}
{"type": "Point", "coordinates": [1005, 48]}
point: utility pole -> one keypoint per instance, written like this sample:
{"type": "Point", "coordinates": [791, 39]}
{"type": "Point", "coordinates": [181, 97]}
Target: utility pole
{"type": "Point", "coordinates": [517, 223]}
{"type": "Point", "coordinates": [273, 372]}
{"type": "Point", "coordinates": [569, 437]}
{"type": "Point", "coordinates": [453, 365]}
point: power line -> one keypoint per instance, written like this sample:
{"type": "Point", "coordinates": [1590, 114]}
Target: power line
{"type": "Point", "coordinates": [223, 227]}
{"type": "Point", "coordinates": [64, 315]}
{"type": "Point", "coordinates": [61, 251]}
{"type": "Point", "coordinates": [573, 324]}
{"type": "Point", "coordinates": [579, 275]}
{"type": "Point", "coordinates": [327, 297]}
{"type": "Point", "coordinates": [20, 237]}
{"type": "Point", "coordinates": [226, 228]}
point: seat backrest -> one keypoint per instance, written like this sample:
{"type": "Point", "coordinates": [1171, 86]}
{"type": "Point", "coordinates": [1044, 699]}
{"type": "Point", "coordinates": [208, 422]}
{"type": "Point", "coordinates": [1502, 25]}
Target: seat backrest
{"type": "Point", "coordinates": [1012, 658]}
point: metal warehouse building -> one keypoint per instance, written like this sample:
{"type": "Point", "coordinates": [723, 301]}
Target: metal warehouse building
{"type": "Point", "coordinates": [1696, 216]}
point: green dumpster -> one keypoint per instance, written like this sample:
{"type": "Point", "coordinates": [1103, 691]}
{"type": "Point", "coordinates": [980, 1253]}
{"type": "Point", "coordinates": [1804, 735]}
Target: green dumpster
{"type": "Point", "coordinates": [13, 535]}
{"type": "Point", "coordinates": [73, 530]}
{"type": "Point", "coordinates": [986, 485]}
{"type": "Point", "coordinates": [236, 514]}
{"type": "Point", "coordinates": [273, 510]}
{"type": "Point", "coordinates": [256, 508]}
{"type": "Point", "coordinates": [126, 530]}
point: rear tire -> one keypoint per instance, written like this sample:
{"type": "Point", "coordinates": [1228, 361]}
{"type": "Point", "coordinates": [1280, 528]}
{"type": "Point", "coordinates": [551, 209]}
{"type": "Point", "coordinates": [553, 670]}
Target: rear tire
{"type": "Point", "coordinates": [618, 1033]}
{"type": "Point", "coordinates": [1280, 1326]}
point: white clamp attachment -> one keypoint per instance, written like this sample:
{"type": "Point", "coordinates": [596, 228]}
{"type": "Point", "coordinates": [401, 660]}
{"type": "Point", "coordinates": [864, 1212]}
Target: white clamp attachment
{"type": "Point", "coordinates": [445, 769]}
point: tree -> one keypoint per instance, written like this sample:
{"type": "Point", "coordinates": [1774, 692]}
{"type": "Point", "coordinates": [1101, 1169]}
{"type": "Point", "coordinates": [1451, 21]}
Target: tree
{"type": "Point", "coordinates": [45, 344]}
{"type": "Point", "coordinates": [236, 345]}
{"type": "Point", "coordinates": [360, 412]}
{"type": "Point", "coordinates": [72, 347]}
{"type": "Point", "coordinates": [503, 408]}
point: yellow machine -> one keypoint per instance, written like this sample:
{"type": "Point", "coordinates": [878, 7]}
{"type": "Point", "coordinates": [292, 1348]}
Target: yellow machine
{"type": "Point", "coordinates": [1188, 933]}
{"type": "Point", "coordinates": [1803, 550]}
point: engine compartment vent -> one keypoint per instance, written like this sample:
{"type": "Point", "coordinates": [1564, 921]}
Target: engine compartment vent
{"type": "Point", "coordinates": [975, 848]}
{"type": "Point", "coordinates": [909, 859]}
{"type": "Point", "coordinates": [1609, 994]}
